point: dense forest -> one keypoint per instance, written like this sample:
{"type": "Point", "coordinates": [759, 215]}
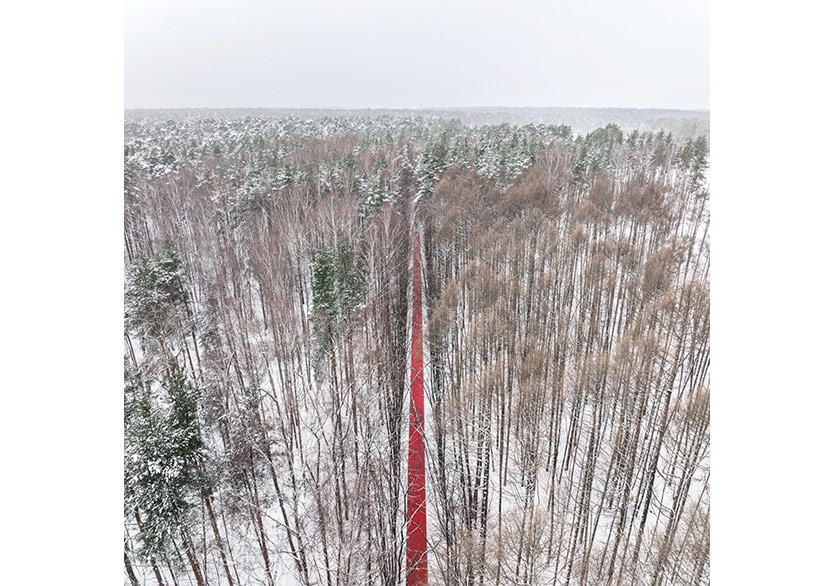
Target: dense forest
{"type": "Point", "coordinates": [682, 123]}
{"type": "Point", "coordinates": [567, 350]}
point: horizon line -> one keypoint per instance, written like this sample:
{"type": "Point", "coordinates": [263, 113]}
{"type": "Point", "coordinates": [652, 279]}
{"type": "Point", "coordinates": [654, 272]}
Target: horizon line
{"type": "Point", "coordinates": [415, 108]}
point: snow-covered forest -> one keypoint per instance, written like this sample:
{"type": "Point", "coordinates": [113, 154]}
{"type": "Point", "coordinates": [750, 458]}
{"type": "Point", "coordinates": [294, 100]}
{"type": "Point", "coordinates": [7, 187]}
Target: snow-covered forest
{"type": "Point", "coordinates": [567, 348]}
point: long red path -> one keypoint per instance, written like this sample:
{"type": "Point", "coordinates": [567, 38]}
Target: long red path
{"type": "Point", "coordinates": [416, 562]}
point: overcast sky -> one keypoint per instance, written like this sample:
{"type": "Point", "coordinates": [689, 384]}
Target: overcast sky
{"type": "Point", "coordinates": [412, 53]}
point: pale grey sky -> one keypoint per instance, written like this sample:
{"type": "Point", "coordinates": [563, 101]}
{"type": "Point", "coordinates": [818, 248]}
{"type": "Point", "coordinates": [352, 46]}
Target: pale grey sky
{"type": "Point", "coordinates": [411, 53]}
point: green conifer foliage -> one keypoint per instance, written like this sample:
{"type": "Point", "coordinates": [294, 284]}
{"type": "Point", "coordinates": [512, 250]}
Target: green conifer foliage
{"type": "Point", "coordinates": [338, 287]}
{"type": "Point", "coordinates": [154, 294]}
{"type": "Point", "coordinates": [162, 448]}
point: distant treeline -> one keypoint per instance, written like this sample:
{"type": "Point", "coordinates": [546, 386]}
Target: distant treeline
{"type": "Point", "coordinates": [682, 123]}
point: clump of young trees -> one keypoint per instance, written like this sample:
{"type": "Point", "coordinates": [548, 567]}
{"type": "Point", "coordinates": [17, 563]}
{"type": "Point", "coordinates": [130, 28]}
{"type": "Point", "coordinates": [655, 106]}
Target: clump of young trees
{"type": "Point", "coordinates": [266, 351]}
